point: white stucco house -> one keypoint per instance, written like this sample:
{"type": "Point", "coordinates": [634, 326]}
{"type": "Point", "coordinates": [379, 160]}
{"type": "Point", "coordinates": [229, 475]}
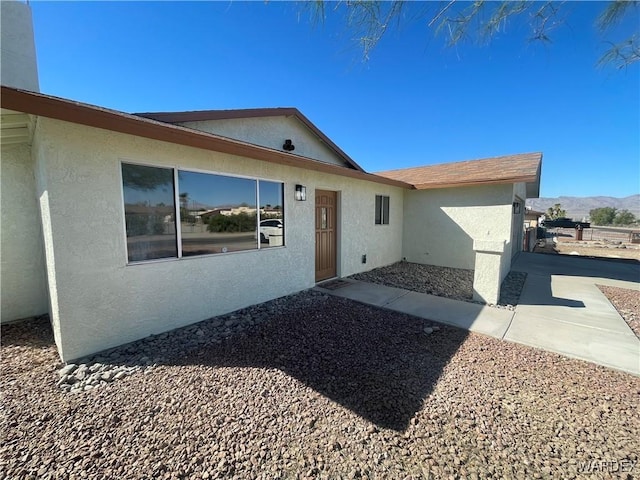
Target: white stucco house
{"type": "Point", "coordinates": [98, 230]}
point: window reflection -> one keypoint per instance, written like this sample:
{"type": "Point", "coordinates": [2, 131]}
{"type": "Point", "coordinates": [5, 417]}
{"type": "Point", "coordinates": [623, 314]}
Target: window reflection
{"type": "Point", "coordinates": [149, 212]}
{"type": "Point", "coordinates": [271, 214]}
{"type": "Point", "coordinates": [218, 214]}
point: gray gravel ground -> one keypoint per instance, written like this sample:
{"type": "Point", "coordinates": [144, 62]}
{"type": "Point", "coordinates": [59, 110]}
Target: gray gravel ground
{"type": "Point", "coordinates": [454, 283]}
{"type": "Point", "coordinates": [315, 386]}
{"type": "Point", "coordinates": [627, 302]}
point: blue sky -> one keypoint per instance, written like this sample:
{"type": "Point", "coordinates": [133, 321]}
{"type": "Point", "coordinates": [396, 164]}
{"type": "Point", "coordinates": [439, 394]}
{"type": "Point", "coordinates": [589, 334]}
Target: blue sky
{"type": "Point", "coordinates": [414, 102]}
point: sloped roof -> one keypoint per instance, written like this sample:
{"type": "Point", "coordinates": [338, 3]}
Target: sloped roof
{"type": "Point", "coordinates": [40, 104]}
{"type": "Point", "coordinates": [497, 170]}
{"type": "Point", "coordinates": [204, 115]}
{"type": "Point", "coordinates": [518, 168]}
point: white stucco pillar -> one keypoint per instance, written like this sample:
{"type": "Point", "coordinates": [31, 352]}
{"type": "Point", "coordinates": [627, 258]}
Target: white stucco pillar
{"type": "Point", "coordinates": [488, 266]}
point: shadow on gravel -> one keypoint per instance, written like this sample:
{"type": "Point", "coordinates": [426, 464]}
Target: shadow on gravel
{"type": "Point", "coordinates": [378, 364]}
{"type": "Point", "coordinates": [31, 332]}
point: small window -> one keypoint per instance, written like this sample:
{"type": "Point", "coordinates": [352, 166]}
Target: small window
{"type": "Point", "coordinates": [382, 210]}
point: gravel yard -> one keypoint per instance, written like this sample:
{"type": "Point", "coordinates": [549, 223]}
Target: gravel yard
{"type": "Point", "coordinates": [454, 283]}
{"type": "Point", "coordinates": [627, 302]}
{"type": "Point", "coordinates": [319, 387]}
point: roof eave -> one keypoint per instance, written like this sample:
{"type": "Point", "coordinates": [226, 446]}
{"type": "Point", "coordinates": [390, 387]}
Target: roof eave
{"type": "Point", "coordinates": [529, 180]}
{"type": "Point", "coordinates": [204, 115]}
{"type": "Point", "coordinates": [92, 116]}
{"type": "Point", "coordinates": [533, 187]}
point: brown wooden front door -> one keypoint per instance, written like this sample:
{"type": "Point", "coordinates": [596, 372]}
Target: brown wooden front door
{"type": "Point", "coordinates": [326, 210]}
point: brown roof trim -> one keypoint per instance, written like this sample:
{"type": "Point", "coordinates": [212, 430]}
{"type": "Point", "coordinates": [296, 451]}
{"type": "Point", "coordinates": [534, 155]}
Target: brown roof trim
{"type": "Point", "coordinates": [113, 120]}
{"type": "Point", "coordinates": [203, 115]}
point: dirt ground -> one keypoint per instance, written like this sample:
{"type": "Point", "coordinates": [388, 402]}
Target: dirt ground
{"type": "Point", "coordinates": [590, 249]}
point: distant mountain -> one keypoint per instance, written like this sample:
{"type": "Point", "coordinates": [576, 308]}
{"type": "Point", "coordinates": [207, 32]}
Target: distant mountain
{"type": "Point", "coordinates": [579, 207]}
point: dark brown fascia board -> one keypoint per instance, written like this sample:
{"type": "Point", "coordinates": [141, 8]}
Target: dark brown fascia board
{"type": "Point", "coordinates": [203, 115]}
{"type": "Point", "coordinates": [113, 120]}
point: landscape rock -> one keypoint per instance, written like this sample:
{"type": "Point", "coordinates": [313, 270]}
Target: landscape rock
{"type": "Point", "coordinates": [323, 387]}
{"type": "Point", "coordinates": [454, 283]}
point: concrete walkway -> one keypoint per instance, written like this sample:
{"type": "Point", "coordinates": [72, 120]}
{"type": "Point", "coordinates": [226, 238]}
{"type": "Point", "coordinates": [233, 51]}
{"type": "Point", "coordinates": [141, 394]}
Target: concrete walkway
{"type": "Point", "coordinates": [560, 309]}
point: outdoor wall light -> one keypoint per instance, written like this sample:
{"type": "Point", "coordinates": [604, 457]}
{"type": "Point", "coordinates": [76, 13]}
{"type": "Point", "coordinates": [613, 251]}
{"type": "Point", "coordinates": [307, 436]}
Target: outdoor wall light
{"type": "Point", "coordinates": [301, 193]}
{"type": "Point", "coordinates": [516, 208]}
{"type": "Point", "coordinates": [288, 146]}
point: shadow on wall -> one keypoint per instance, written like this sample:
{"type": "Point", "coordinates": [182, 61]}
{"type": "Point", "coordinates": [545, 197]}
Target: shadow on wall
{"type": "Point", "coordinates": [441, 225]}
{"type": "Point", "coordinates": [378, 364]}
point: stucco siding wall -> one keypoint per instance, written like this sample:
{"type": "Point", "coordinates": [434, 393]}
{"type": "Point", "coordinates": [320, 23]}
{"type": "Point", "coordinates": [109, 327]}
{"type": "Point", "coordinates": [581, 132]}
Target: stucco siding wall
{"type": "Point", "coordinates": [102, 302]}
{"type": "Point", "coordinates": [359, 235]}
{"type": "Point", "coordinates": [271, 132]}
{"type": "Point", "coordinates": [520, 190]}
{"type": "Point", "coordinates": [17, 46]}
{"type": "Point", "coordinates": [22, 272]}
{"type": "Point", "coordinates": [440, 225]}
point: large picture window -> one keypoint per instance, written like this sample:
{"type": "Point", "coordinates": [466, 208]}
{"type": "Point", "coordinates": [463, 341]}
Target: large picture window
{"type": "Point", "coordinates": [183, 213]}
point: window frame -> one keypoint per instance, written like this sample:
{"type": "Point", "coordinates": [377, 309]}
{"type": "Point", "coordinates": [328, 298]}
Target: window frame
{"type": "Point", "coordinates": [379, 217]}
{"type": "Point", "coordinates": [176, 186]}
{"type": "Point", "coordinates": [124, 211]}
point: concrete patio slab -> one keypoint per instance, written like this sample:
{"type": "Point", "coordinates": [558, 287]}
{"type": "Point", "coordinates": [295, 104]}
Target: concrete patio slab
{"type": "Point", "coordinates": [612, 349]}
{"type": "Point", "coordinates": [542, 264]}
{"type": "Point", "coordinates": [570, 300]}
{"type": "Point", "coordinates": [562, 310]}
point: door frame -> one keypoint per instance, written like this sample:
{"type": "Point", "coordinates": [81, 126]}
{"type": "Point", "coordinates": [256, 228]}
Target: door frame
{"type": "Point", "coordinates": [336, 235]}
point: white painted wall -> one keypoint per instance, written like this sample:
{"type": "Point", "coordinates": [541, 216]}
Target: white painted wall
{"type": "Point", "coordinates": [271, 132]}
{"type": "Point", "coordinates": [22, 271]}
{"type": "Point", "coordinates": [440, 225]}
{"type": "Point", "coordinates": [17, 46]}
{"type": "Point", "coordinates": [517, 226]}
{"type": "Point", "coordinates": [99, 301]}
